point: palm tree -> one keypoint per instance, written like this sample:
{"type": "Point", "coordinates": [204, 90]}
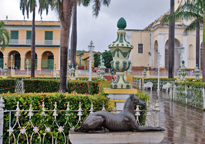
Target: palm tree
{"type": "Point", "coordinates": [64, 10]}
{"type": "Point", "coordinates": [30, 6]}
{"type": "Point", "coordinates": [192, 9]}
{"type": "Point", "coordinates": [96, 8]}
{"type": "Point", "coordinates": [171, 42]}
{"type": "Point", "coordinates": [4, 36]}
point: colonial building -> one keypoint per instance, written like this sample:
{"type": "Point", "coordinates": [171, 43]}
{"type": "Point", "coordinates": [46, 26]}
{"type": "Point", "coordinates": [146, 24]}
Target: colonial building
{"type": "Point", "coordinates": [47, 44]}
{"type": "Point", "coordinates": [154, 39]}
{"type": "Point", "coordinates": [82, 60]}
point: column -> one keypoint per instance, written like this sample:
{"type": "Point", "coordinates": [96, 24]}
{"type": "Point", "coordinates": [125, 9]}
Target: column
{"type": "Point", "coordinates": [39, 63]}
{"type": "Point", "coordinates": [5, 61]}
{"type": "Point", "coordinates": [161, 49]}
{"type": "Point", "coordinates": [22, 67]}
{"type": "Point", "coordinates": [186, 50]}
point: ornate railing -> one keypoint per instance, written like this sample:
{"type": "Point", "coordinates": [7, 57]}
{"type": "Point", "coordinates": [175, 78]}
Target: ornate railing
{"type": "Point", "coordinates": [37, 42]}
{"type": "Point", "coordinates": [188, 95]}
{"type": "Point", "coordinates": [30, 128]}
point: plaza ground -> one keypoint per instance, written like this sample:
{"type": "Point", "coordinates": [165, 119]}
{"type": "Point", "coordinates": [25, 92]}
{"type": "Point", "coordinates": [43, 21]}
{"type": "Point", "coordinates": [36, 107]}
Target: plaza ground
{"type": "Point", "coordinates": [183, 124]}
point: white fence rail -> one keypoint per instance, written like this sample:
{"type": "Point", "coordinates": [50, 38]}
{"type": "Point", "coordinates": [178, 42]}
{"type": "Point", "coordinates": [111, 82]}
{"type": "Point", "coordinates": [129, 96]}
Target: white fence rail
{"type": "Point", "coordinates": [29, 129]}
{"type": "Point", "coordinates": [37, 42]}
{"type": "Point", "coordinates": [188, 95]}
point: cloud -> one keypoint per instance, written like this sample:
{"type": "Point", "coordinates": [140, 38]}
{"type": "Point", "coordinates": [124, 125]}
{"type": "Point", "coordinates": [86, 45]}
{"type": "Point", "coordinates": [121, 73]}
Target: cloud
{"type": "Point", "coordinates": [103, 29]}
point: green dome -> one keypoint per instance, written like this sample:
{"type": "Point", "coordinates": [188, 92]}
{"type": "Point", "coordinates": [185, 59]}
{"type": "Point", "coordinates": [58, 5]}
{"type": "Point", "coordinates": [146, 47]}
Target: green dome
{"type": "Point", "coordinates": [121, 24]}
{"type": "Point", "coordinates": [183, 62]}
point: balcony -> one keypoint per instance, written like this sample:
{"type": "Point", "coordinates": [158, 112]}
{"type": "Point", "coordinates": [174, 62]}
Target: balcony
{"type": "Point", "coordinates": [37, 42]}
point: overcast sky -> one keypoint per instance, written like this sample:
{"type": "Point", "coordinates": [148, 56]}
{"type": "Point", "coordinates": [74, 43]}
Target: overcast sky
{"type": "Point", "coordinates": [101, 30]}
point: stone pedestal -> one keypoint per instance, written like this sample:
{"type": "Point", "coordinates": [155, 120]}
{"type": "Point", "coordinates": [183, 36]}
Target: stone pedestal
{"type": "Point", "coordinates": [118, 97]}
{"type": "Point", "coordinates": [129, 78]}
{"type": "Point", "coordinates": [116, 137]}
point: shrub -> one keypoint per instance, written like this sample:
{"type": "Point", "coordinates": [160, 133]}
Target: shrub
{"type": "Point", "coordinates": [83, 87]}
{"type": "Point", "coordinates": [145, 98]}
{"type": "Point", "coordinates": [50, 85]}
{"type": "Point", "coordinates": [40, 121]}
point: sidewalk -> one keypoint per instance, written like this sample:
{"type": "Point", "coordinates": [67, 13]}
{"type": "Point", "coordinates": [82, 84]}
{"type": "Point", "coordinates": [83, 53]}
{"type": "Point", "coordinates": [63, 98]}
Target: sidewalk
{"type": "Point", "coordinates": [183, 124]}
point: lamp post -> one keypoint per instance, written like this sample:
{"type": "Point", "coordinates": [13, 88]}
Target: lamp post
{"type": "Point", "coordinates": [158, 58]}
{"type": "Point", "coordinates": [181, 50]}
{"type": "Point", "coordinates": [90, 48]}
{"type": "Point", "coordinates": [11, 62]}
{"type": "Point", "coordinates": [27, 63]}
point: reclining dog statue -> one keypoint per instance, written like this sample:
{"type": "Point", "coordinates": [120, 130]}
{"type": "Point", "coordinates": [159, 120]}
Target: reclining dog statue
{"type": "Point", "coordinates": [124, 121]}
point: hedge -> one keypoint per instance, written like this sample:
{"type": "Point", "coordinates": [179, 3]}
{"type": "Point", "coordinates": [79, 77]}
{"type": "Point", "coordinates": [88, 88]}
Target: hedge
{"type": "Point", "coordinates": [46, 85]}
{"type": "Point", "coordinates": [41, 121]}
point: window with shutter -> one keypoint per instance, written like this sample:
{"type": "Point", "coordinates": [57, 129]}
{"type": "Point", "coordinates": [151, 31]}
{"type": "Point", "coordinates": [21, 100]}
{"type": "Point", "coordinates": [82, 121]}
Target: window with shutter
{"type": "Point", "coordinates": [48, 37]}
{"type": "Point", "coordinates": [140, 48]}
{"type": "Point", "coordinates": [14, 37]}
{"type": "Point", "coordinates": [28, 37]}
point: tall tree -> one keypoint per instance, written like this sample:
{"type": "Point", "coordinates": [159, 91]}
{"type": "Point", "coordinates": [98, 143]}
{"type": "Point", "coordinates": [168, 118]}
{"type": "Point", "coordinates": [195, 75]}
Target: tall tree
{"type": "Point", "coordinates": [74, 35]}
{"type": "Point", "coordinates": [4, 36]}
{"type": "Point", "coordinates": [29, 6]}
{"type": "Point", "coordinates": [64, 9]}
{"type": "Point", "coordinates": [171, 42]}
{"type": "Point", "coordinates": [96, 9]}
{"type": "Point", "coordinates": [192, 9]}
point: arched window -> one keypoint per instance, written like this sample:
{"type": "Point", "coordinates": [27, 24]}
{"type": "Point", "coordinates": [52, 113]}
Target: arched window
{"type": "Point", "coordinates": [191, 51]}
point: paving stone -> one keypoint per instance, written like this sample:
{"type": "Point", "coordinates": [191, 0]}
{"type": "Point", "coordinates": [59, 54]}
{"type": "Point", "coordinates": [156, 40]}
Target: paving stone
{"type": "Point", "coordinates": [183, 124]}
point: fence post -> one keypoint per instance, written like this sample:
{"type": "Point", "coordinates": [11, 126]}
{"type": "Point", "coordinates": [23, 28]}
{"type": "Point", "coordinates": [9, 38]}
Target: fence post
{"type": "Point", "coordinates": [157, 113]}
{"type": "Point", "coordinates": [186, 93]}
{"type": "Point", "coordinates": [174, 91]}
{"type": "Point", "coordinates": [140, 84]}
{"type": "Point", "coordinates": [1, 118]}
{"type": "Point", "coordinates": [203, 91]}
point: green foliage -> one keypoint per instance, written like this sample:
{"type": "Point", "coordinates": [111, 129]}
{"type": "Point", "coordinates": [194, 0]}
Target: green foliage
{"type": "Point", "coordinates": [107, 56]}
{"type": "Point", "coordinates": [50, 85]}
{"type": "Point", "coordinates": [4, 36]}
{"type": "Point", "coordinates": [96, 60]}
{"type": "Point", "coordinates": [83, 87]}
{"type": "Point", "coordinates": [48, 120]}
{"type": "Point", "coordinates": [145, 98]}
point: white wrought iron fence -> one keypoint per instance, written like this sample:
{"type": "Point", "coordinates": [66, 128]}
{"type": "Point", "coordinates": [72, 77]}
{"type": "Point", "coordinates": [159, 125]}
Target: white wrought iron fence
{"type": "Point", "coordinates": [188, 95]}
{"type": "Point", "coordinates": [31, 130]}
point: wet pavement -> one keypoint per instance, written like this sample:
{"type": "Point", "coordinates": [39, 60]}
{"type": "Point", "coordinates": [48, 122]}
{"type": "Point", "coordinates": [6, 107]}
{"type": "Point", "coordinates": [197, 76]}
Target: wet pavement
{"type": "Point", "coordinates": [183, 124]}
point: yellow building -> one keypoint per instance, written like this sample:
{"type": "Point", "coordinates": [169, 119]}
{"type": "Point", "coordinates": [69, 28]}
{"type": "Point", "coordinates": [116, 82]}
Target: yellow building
{"type": "Point", "coordinates": [154, 38]}
{"type": "Point", "coordinates": [47, 44]}
{"type": "Point", "coordinates": [82, 60]}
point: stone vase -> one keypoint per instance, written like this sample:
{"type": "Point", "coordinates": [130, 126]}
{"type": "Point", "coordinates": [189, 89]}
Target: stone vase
{"type": "Point", "coordinates": [120, 50]}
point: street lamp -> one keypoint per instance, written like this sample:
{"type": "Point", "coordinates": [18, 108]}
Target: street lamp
{"type": "Point", "coordinates": [181, 50]}
{"type": "Point", "coordinates": [90, 48]}
{"type": "Point", "coordinates": [158, 58]}
{"type": "Point", "coordinates": [27, 63]}
{"type": "Point", "coordinates": [11, 62]}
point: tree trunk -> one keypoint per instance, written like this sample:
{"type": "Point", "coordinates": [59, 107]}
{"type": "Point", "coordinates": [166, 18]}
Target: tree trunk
{"type": "Point", "coordinates": [65, 18]}
{"type": "Point", "coordinates": [74, 36]}
{"type": "Point", "coordinates": [171, 42]}
{"type": "Point", "coordinates": [203, 52]}
{"type": "Point", "coordinates": [33, 44]}
{"type": "Point", "coordinates": [197, 45]}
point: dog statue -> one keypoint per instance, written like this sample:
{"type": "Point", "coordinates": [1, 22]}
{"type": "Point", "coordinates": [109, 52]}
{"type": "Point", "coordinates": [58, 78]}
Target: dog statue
{"type": "Point", "coordinates": [124, 121]}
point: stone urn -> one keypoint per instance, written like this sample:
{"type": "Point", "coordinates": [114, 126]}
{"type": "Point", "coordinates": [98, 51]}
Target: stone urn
{"type": "Point", "coordinates": [120, 50]}
{"type": "Point", "coordinates": [5, 70]}
{"type": "Point", "coordinates": [197, 72]}
{"type": "Point", "coordinates": [179, 72]}
{"type": "Point", "coordinates": [72, 71]}
{"type": "Point", "coordinates": [144, 73]}
{"type": "Point", "coordinates": [102, 69]}
{"type": "Point", "coordinates": [183, 71]}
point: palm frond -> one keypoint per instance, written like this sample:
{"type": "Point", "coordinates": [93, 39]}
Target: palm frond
{"type": "Point", "coordinates": [4, 36]}
{"type": "Point", "coordinates": [96, 7]}
{"type": "Point", "coordinates": [193, 25]}
{"type": "Point", "coordinates": [106, 2]}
